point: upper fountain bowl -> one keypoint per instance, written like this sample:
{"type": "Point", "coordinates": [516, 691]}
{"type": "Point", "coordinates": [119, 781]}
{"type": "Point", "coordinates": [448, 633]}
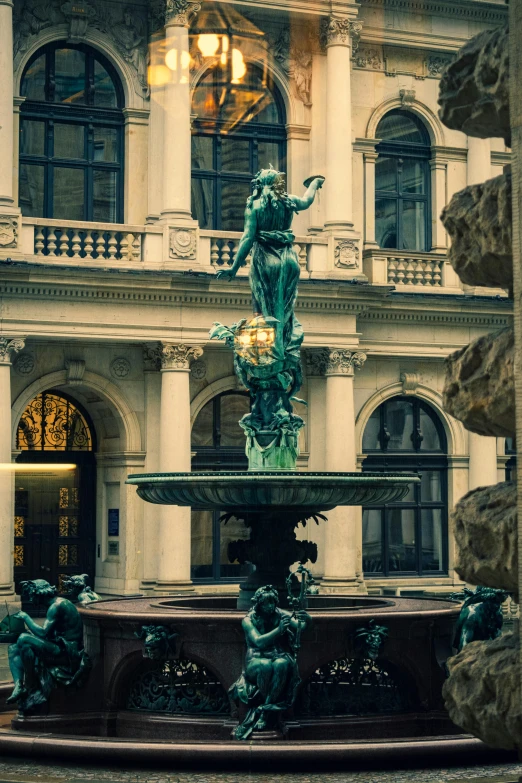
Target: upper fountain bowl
{"type": "Point", "coordinates": [258, 491]}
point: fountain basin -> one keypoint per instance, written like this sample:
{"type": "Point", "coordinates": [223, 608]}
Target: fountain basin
{"type": "Point", "coordinates": [265, 490]}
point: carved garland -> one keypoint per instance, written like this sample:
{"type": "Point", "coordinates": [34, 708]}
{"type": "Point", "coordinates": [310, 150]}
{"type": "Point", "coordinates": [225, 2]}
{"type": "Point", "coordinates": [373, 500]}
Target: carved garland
{"type": "Point", "coordinates": [10, 346]}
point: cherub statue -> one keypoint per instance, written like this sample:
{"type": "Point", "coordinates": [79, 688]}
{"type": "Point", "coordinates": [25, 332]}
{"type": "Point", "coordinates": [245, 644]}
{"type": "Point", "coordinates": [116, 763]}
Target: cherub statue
{"type": "Point", "coordinates": [78, 591]}
{"type": "Point", "coordinates": [270, 675]}
{"type": "Point", "coordinates": [47, 655]}
{"type": "Point", "coordinates": [480, 617]}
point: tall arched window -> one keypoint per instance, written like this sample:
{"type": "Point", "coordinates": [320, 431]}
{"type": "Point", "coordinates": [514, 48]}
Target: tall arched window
{"type": "Point", "coordinates": [71, 136]}
{"type": "Point", "coordinates": [239, 128]}
{"type": "Point", "coordinates": [218, 443]}
{"type": "Point", "coordinates": [402, 177]}
{"type": "Point", "coordinates": [408, 537]}
{"type": "Point", "coordinates": [55, 523]}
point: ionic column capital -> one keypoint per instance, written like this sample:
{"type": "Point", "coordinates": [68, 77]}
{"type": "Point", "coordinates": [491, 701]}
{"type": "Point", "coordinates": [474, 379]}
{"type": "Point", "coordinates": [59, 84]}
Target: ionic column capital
{"type": "Point", "coordinates": [342, 362]}
{"type": "Point", "coordinates": [340, 31]}
{"type": "Point", "coordinates": [178, 357]}
{"type": "Point", "coordinates": [10, 346]}
{"type": "Point", "coordinates": [179, 13]}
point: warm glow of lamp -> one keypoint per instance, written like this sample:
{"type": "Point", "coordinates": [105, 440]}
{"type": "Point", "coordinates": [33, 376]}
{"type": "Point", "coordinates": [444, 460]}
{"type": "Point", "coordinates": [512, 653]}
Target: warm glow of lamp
{"type": "Point", "coordinates": [171, 59]}
{"type": "Point", "coordinates": [262, 337]}
{"type": "Point", "coordinates": [208, 44]}
{"type": "Point", "coordinates": [225, 46]}
{"type": "Point", "coordinates": [238, 66]}
{"type": "Point", "coordinates": [158, 75]}
{"type": "Point", "coordinates": [24, 467]}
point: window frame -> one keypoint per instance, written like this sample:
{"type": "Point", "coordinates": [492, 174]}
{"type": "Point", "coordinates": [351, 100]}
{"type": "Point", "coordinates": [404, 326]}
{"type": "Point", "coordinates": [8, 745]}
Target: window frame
{"type": "Point", "coordinates": [88, 116]}
{"type": "Point", "coordinates": [417, 461]}
{"type": "Point", "coordinates": [399, 150]}
{"type": "Point", "coordinates": [251, 131]}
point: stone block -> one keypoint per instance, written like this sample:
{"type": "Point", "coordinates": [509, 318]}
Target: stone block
{"type": "Point", "coordinates": [483, 695]}
{"type": "Point", "coordinates": [474, 90]}
{"type": "Point", "coordinates": [478, 220]}
{"type": "Point", "coordinates": [485, 528]}
{"type": "Point", "coordinates": [479, 389]}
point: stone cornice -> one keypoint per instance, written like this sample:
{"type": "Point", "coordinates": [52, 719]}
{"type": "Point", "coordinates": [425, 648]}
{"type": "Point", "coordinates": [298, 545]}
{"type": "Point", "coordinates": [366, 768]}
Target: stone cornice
{"type": "Point", "coordinates": [494, 13]}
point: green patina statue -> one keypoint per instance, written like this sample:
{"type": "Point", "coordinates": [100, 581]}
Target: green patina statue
{"type": "Point", "coordinates": [267, 348]}
{"type": "Point", "coordinates": [47, 655]}
{"type": "Point", "coordinates": [78, 591]}
{"type": "Point", "coordinates": [480, 617]}
{"type": "Point", "coordinates": [270, 677]}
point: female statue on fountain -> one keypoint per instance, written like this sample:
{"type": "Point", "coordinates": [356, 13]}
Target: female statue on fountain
{"type": "Point", "coordinates": [274, 271]}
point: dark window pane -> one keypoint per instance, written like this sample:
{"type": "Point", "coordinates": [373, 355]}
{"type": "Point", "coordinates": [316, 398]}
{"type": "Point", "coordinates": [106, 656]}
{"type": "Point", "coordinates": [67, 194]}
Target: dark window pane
{"type": "Point", "coordinates": [268, 152]}
{"type": "Point", "coordinates": [202, 431]}
{"type": "Point", "coordinates": [431, 489]}
{"type": "Point", "coordinates": [371, 432]}
{"type": "Point", "coordinates": [399, 422]}
{"type": "Point", "coordinates": [401, 539]}
{"type": "Point", "coordinates": [413, 176]}
{"type": "Point", "coordinates": [104, 90]}
{"type": "Point", "coordinates": [69, 76]}
{"type": "Point", "coordinates": [372, 540]}
{"type": "Point", "coordinates": [69, 194]}
{"type": "Point", "coordinates": [104, 196]}
{"type": "Point", "coordinates": [32, 138]}
{"type": "Point", "coordinates": [31, 186]}
{"type": "Point", "coordinates": [413, 225]}
{"type": "Point", "coordinates": [201, 545]}
{"type": "Point", "coordinates": [386, 173]}
{"type": "Point", "coordinates": [235, 155]}
{"type": "Point", "coordinates": [106, 144]}
{"type": "Point", "coordinates": [33, 83]}
{"type": "Point", "coordinates": [386, 222]}
{"type": "Point", "coordinates": [203, 153]}
{"type": "Point", "coordinates": [234, 530]}
{"type": "Point", "coordinates": [396, 126]}
{"type": "Point", "coordinates": [233, 202]}
{"type": "Point", "coordinates": [431, 523]}
{"type": "Point", "coordinates": [233, 408]}
{"type": "Point", "coordinates": [430, 436]}
{"type": "Point", "coordinates": [69, 141]}
{"type": "Point", "coordinates": [203, 202]}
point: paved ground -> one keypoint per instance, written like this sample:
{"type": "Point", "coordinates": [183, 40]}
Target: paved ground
{"type": "Point", "coordinates": [22, 771]}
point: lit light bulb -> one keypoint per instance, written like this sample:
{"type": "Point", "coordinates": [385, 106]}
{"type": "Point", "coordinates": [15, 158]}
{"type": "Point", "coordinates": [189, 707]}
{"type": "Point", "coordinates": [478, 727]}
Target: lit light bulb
{"type": "Point", "coordinates": [244, 339]}
{"type": "Point", "coordinates": [171, 59]}
{"type": "Point", "coordinates": [208, 44]}
{"type": "Point", "coordinates": [225, 45]}
{"type": "Point", "coordinates": [238, 66]}
{"type": "Point", "coordinates": [262, 337]}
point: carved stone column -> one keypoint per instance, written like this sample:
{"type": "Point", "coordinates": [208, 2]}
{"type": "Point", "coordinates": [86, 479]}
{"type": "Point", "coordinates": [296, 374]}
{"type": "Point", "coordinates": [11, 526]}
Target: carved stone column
{"type": "Point", "coordinates": [343, 544]}
{"type": "Point", "coordinates": [152, 382]}
{"type": "Point", "coordinates": [9, 346]}
{"type": "Point", "coordinates": [337, 35]}
{"type": "Point", "coordinates": [174, 457]}
{"type": "Point", "coordinates": [10, 227]}
{"type": "Point", "coordinates": [176, 106]}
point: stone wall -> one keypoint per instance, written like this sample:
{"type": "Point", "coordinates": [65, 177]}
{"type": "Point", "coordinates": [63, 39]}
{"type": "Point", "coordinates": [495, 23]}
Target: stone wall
{"type": "Point", "coordinates": [483, 693]}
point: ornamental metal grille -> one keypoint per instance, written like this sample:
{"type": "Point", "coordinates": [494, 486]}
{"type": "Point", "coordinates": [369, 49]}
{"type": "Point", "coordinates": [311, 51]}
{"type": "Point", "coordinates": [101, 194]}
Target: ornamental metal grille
{"type": "Point", "coordinates": [177, 687]}
{"type": "Point", "coordinates": [352, 687]}
{"type": "Point", "coordinates": [53, 423]}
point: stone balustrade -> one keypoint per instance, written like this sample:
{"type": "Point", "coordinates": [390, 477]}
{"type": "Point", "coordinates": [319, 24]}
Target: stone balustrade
{"type": "Point", "coordinates": [223, 246]}
{"type": "Point", "coordinates": [410, 268]}
{"type": "Point", "coordinates": [82, 241]}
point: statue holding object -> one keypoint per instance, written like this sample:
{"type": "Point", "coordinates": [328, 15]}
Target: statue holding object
{"type": "Point", "coordinates": [268, 348]}
{"type": "Point", "coordinates": [49, 655]}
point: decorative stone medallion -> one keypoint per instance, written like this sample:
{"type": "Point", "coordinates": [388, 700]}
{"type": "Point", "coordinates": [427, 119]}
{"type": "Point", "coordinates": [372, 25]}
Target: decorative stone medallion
{"type": "Point", "coordinates": [182, 243]}
{"type": "Point", "coordinates": [120, 368]}
{"type": "Point", "coordinates": [8, 231]}
{"type": "Point", "coordinates": [347, 254]}
{"type": "Point", "coordinates": [198, 370]}
{"type": "Point", "coordinates": [24, 365]}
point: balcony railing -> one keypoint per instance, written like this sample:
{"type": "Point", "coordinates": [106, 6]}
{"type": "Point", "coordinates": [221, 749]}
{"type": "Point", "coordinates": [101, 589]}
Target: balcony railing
{"type": "Point", "coordinates": [224, 246]}
{"type": "Point", "coordinates": [410, 269]}
{"type": "Point", "coordinates": [66, 239]}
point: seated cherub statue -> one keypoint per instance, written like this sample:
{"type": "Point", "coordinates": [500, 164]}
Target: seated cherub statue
{"type": "Point", "coordinates": [78, 591]}
{"type": "Point", "coordinates": [49, 654]}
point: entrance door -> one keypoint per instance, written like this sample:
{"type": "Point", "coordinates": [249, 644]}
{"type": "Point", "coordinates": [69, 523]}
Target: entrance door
{"type": "Point", "coordinates": [55, 531]}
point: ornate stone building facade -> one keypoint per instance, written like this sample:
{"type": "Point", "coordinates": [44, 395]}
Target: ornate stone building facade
{"type": "Point", "coordinates": [129, 133]}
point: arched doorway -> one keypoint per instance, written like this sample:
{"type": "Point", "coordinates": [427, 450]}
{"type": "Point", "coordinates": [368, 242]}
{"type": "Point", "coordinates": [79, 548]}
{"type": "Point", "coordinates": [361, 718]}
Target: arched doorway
{"type": "Point", "coordinates": [55, 530]}
{"type": "Point", "coordinates": [407, 538]}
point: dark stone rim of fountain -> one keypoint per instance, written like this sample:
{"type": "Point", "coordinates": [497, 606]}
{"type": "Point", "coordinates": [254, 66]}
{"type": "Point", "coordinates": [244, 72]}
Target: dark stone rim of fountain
{"type": "Point", "coordinates": [258, 491]}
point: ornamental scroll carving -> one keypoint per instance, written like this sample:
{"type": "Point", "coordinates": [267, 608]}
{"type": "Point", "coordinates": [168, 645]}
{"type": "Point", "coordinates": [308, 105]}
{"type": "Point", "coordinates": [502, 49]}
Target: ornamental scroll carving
{"type": "Point", "coordinates": [179, 357]}
{"type": "Point", "coordinates": [125, 26]}
{"type": "Point", "coordinates": [341, 362]}
{"type": "Point", "coordinates": [10, 346]}
{"type": "Point", "coordinates": [339, 30]}
{"type": "Point", "coordinates": [182, 243]}
{"type": "Point", "coordinates": [317, 362]}
{"type": "Point", "coordinates": [294, 53]}
{"type": "Point", "coordinates": [181, 12]}
{"type": "Point", "coordinates": [347, 254]}
{"type": "Point", "coordinates": [8, 231]}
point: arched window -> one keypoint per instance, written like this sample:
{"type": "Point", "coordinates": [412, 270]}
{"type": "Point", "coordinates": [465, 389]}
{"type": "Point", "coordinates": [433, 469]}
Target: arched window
{"type": "Point", "coordinates": [408, 537]}
{"type": "Point", "coordinates": [402, 177]}
{"type": "Point", "coordinates": [218, 443]}
{"type": "Point", "coordinates": [71, 136]}
{"type": "Point", "coordinates": [55, 521]}
{"type": "Point", "coordinates": [239, 128]}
